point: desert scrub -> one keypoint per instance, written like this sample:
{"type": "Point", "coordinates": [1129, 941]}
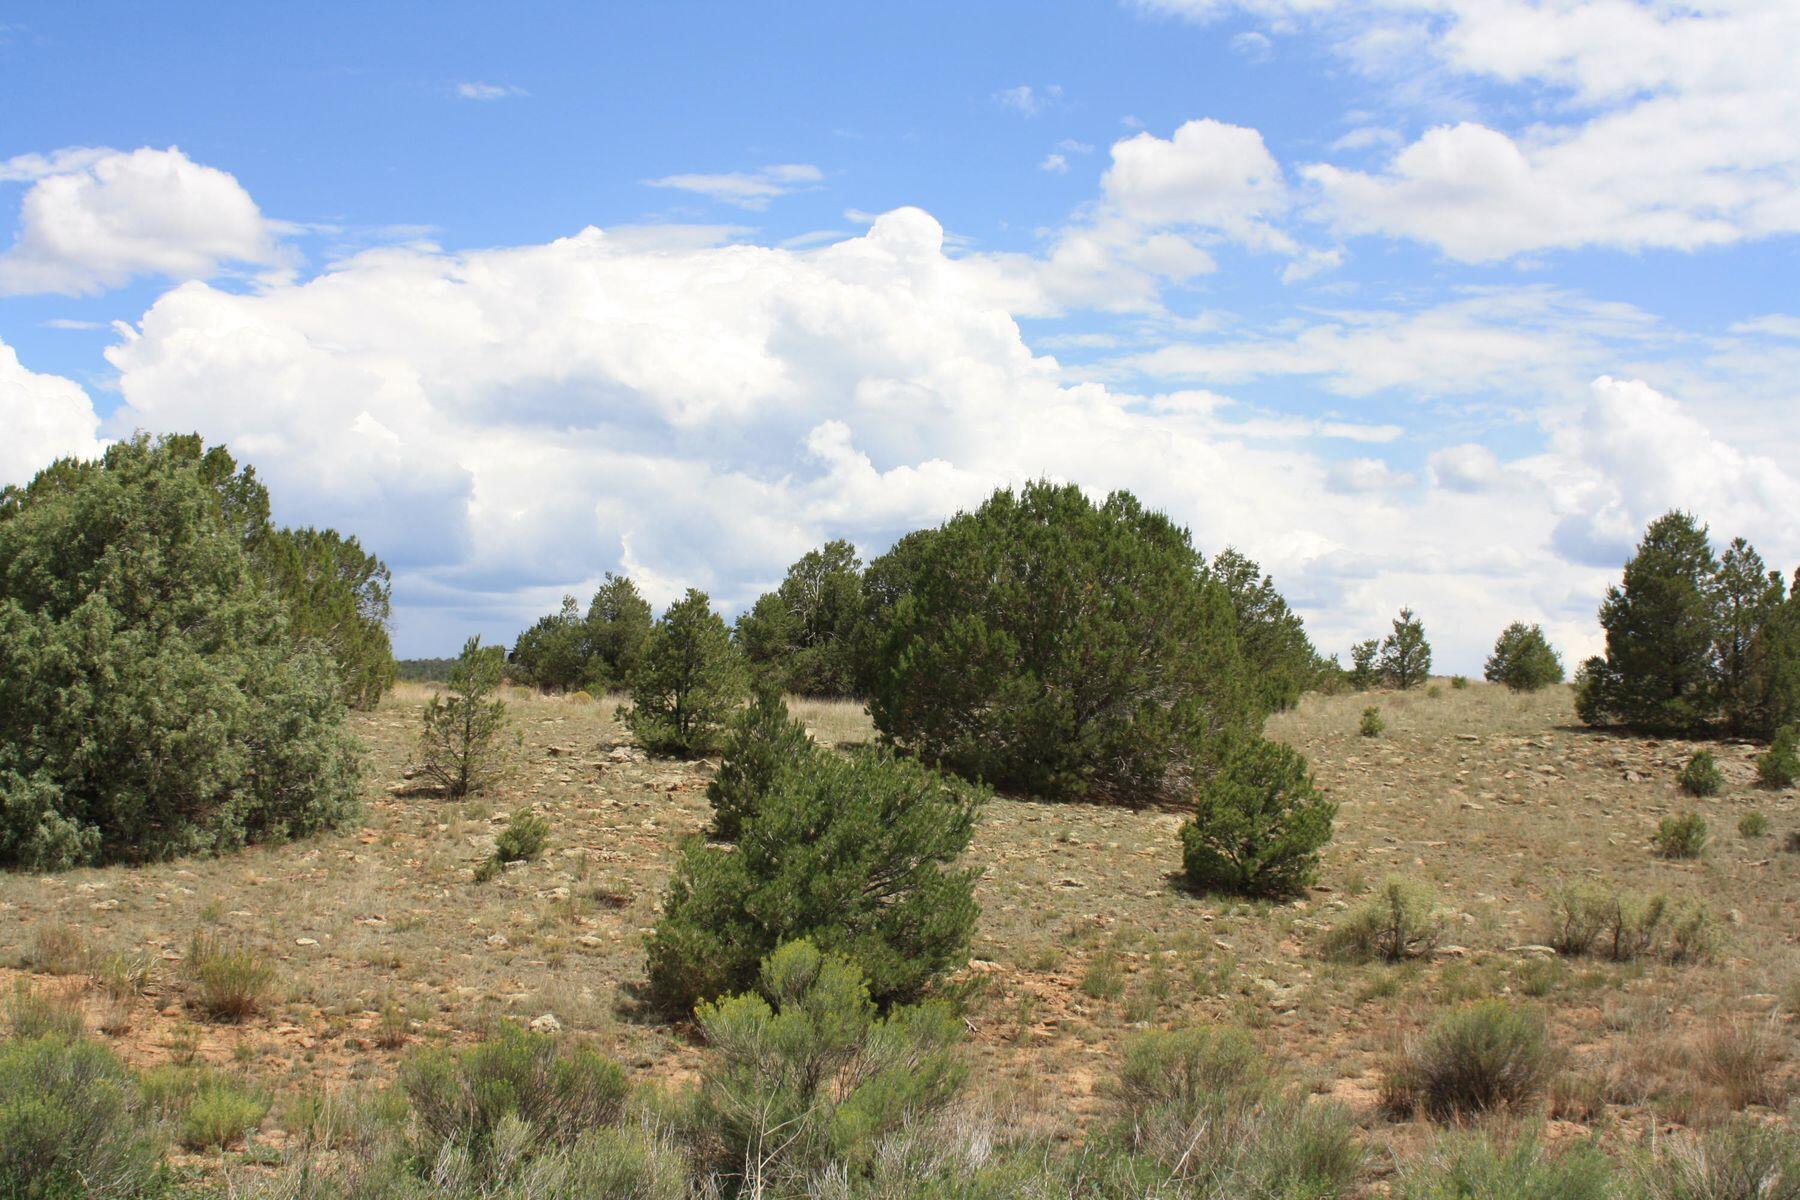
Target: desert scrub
{"type": "Point", "coordinates": [208, 1109]}
{"type": "Point", "coordinates": [1779, 765]}
{"type": "Point", "coordinates": [1372, 725]}
{"type": "Point", "coordinates": [1743, 1159]}
{"type": "Point", "coordinates": [1681, 835]}
{"type": "Point", "coordinates": [31, 1013]}
{"type": "Point", "coordinates": [1473, 1166]}
{"type": "Point", "coordinates": [1753, 825]}
{"type": "Point", "coordinates": [1590, 919]}
{"type": "Point", "coordinates": [525, 837]}
{"type": "Point", "coordinates": [1701, 776]}
{"type": "Point", "coordinates": [1485, 1056]}
{"type": "Point", "coordinates": [73, 1124]}
{"type": "Point", "coordinates": [1258, 825]}
{"type": "Point", "coordinates": [226, 982]}
{"type": "Point", "coordinates": [1399, 920]}
{"type": "Point", "coordinates": [556, 1090]}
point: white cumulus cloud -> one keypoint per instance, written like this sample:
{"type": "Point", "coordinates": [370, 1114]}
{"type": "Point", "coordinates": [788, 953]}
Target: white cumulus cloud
{"type": "Point", "coordinates": [45, 417]}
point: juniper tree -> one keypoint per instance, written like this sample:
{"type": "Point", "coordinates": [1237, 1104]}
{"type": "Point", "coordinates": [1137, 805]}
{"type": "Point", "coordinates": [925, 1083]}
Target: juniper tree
{"type": "Point", "coordinates": [617, 628]}
{"type": "Point", "coordinates": [1746, 596]}
{"type": "Point", "coordinates": [1363, 670]}
{"type": "Point", "coordinates": [1405, 654]}
{"type": "Point", "coordinates": [1523, 659]}
{"type": "Point", "coordinates": [1660, 632]}
{"type": "Point", "coordinates": [1259, 823]}
{"type": "Point", "coordinates": [1271, 637]}
{"type": "Point", "coordinates": [686, 684]}
{"type": "Point", "coordinates": [553, 652]}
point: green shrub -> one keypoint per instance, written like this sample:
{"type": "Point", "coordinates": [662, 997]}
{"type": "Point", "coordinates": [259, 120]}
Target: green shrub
{"type": "Point", "coordinates": [1681, 835]}
{"type": "Point", "coordinates": [1405, 654]}
{"type": "Point", "coordinates": [687, 682]}
{"type": "Point", "coordinates": [1259, 823]}
{"type": "Point", "coordinates": [804, 1072]}
{"type": "Point", "coordinates": [1459, 682]}
{"type": "Point", "coordinates": [460, 747]}
{"type": "Point", "coordinates": [72, 1125]}
{"type": "Point", "coordinates": [1523, 659]}
{"type": "Point", "coordinates": [1622, 926]}
{"type": "Point", "coordinates": [524, 838]}
{"type": "Point", "coordinates": [1485, 1056]}
{"type": "Point", "coordinates": [1472, 1167]}
{"type": "Point", "coordinates": [1183, 1069]}
{"type": "Point", "coordinates": [1741, 1160]}
{"type": "Point", "coordinates": [1753, 825]}
{"type": "Point", "coordinates": [1701, 776]}
{"type": "Point", "coordinates": [1372, 725]}
{"type": "Point", "coordinates": [226, 982]}
{"type": "Point", "coordinates": [208, 1109]}
{"type": "Point", "coordinates": [1779, 765]}
{"type": "Point", "coordinates": [556, 1090]}
{"type": "Point", "coordinates": [34, 1014]}
{"type": "Point", "coordinates": [1054, 647]}
{"type": "Point", "coordinates": [855, 852]}
{"type": "Point", "coordinates": [1399, 920]}
{"type": "Point", "coordinates": [762, 742]}
{"type": "Point", "coordinates": [154, 698]}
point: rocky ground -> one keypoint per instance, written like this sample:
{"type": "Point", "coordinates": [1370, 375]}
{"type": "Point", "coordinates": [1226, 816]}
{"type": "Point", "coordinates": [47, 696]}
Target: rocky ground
{"type": "Point", "coordinates": [381, 938]}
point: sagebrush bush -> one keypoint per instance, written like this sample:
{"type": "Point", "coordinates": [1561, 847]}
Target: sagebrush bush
{"type": "Point", "coordinates": [1779, 765]}
{"type": "Point", "coordinates": [1484, 1056]}
{"type": "Point", "coordinates": [1372, 725]}
{"type": "Point", "coordinates": [208, 1109]}
{"type": "Point", "coordinates": [225, 981]}
{"type": "Point", "coordinates": [1048, 645]}
{"type": "Point", "coordinates": [762, 741]}
{"type": "Point", "coordinates": [687, 681]}
{"type": "Point", "coordinates": [1701, 776]}
{"type": "Point", "coordinates": [1588, 918]}
{"type": "Point", "coordinates": [1681, 835]}
{"type": "Point", "coordinates": [462, 745]}
{"type": "Point", "coordinates": [557, 1090]}
{"type": "Point", "coordinates": [154, 698]}
{"type": "Point", "coordinates": [72, 1124]}
{"type": "Point", "coordinates": [524, 837]}
{"type": "Point", "coordinates": [856, 852]}
{"type": "Point", "coordinates": [31, 1013]}
{"type": "Point", "coordinates": [1473, 1167]}
{"type": "Point", "coordinates": [1523, 659]}
{"type": "Point", "coordinates": [1399, 920]}
{"type": "Point", "coordinates": [804, 1073]}
{"type": "Point", "coordinates": [1741, 1160]}
{"type": "Point", "coordinates": [1259, 823]}
{"type": "Point", "coordinates": [1753, 825]}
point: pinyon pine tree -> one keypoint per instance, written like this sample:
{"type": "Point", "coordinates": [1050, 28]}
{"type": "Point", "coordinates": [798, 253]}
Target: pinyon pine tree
{"type": "Point", "coordinates": [1405, 654]}
{"type": "Point", "coordinates": [1523, 659]}
{"type": "Point", "coordinates": [461, 748]}
{"type": "Point", "coordinates": [688, 681]}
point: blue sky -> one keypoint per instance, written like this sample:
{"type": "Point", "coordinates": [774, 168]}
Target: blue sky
{"type": "Point", "coordinates": [1429, 302]}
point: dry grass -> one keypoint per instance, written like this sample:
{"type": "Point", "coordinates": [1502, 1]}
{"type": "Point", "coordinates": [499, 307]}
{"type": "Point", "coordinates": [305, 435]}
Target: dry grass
{"type": "Point", "coordinates": [1493, 800]}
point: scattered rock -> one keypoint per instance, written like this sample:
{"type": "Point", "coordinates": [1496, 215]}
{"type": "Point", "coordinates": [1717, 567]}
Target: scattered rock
{"type": "Point", "coordinates": [547, 1023]}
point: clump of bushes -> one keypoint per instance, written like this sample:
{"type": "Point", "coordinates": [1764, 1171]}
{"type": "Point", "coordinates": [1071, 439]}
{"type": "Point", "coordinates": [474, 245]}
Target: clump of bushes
{"type": "Point", "coordinates": [73, 1123]}
{"type": "Point", "coordinates": [1473, 1166]}
{"type": "Point", "coordinates": [1060, 648]}
{"type": "Point", "coordinates": [1779, 765]}
{"type": "Point", "coordinates": [1259, 823]}
{"type": "Point", "coordinates": [855, 852]}
{"type": "Point", "coordinates": [210, 1110]}
{"type": "Point", "coordinates": [1484, 1056]}
{"type": "Point", "coordinates": [227, 982]}
{"type": "Point", "coordinates": [1701, 776]}
{"type": "Point", "coordinates": [1753, 825]}
{"type": "Point", "coordinates": [688, 679]}
{"type": "Point", "coordinates": [1400, 919]}
{"type": "Point", "coordinates": [461, 749]}
{"type": "Point", "coordinates": [1681, 835]}
{"type": "Point", "coordinates": [1372, 725]}
{"type": "Point", "coordinates": [155, 697]}
{"type": "Point", "coordinates": [1591, 919]}
{"type": "Point", "coordinates": [1523, 659]}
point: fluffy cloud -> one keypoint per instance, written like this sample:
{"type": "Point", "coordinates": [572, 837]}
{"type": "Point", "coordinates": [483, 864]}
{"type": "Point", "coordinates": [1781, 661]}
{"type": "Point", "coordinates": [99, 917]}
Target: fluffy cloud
{"type": "Point", "coordinates": [95, 219]}
{"type": "Point", "coordinates": [45, 417]}
{"type": "Point", "coordinates": [1209, 174]}
{"type": "Point", "coordinates": [746, 189]}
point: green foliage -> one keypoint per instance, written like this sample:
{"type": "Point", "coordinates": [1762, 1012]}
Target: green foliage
{"type": "Point", "coordinates": [762, 742]}
{"type": "Point", "coordinates": [553, 653]}
{"type": "Point", "coordinates": [1701, 776]}
{"type": "Point", "coordinates": [460, 1097]}
{"type": "Point", "coordinates": [209, 1109]}
{"type": "Point", "coordinates": [525, 837]}
{"type": "Point", "coordinates": [1484, 1056]}
{"type": "Point", "coordinates": [1470, 1166]}
{"type": "Point", "coordinates": [805, 1073]}
{"type": "Point", "coordinates": [338, 597]}
{"type": "Point", "coordinates": [1779, 765]}
{"type": "Point", "coordinates": [853, 852]}
{"type": "Point", "coordinates": [72, 1124]}
{"type": "Point", "coordinates": [1051, 646]}
{"type": "Point", "coordinates": [1371, 725]}
{"type": "Point", "coordinates": [1753, 825]}
{"type": "Point", "coordinates": [228, 982]}
{"type": "Point", "coordinates": [1258, 824]}
{"type": "Point", "coordinates": [34, 1014]}
{"type": "Point", "coordinates": [1400, 919]}
{"type": "Point", "coordinates": [1523, 659]}
{"type": "Point", "coordinates": [1681, 835]}
{"type": "Point", "coordinates": [1365, 671]}
{"type": "Point", "coordinates": [802, 636]}
{"type": "Point", "coordinates": [460, 747]}
{"type": "Point", "coordinates": [1746, 595]}
{"type": "Point", "coordinates": [1775, 667]}
{"type": "Point", "coordinates": [1270, 636]}
{"type": "Point", "coordinates": [597, 651]}
{"type": "Point", "coordinates": [1743, 1159]}
{"type": "Point", "coordinates": [1659, 622]}
{"type": "Point", "coordinates": [1459, 682]}
{"type": "Point", "coordinates": [688, 681]}
{"type": "Point", "coordinates": [153, 698]}
{"type": "Point", "coordinates": [1405, 654]}
{"type": "Point", "coordinates": [1588, 918]}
